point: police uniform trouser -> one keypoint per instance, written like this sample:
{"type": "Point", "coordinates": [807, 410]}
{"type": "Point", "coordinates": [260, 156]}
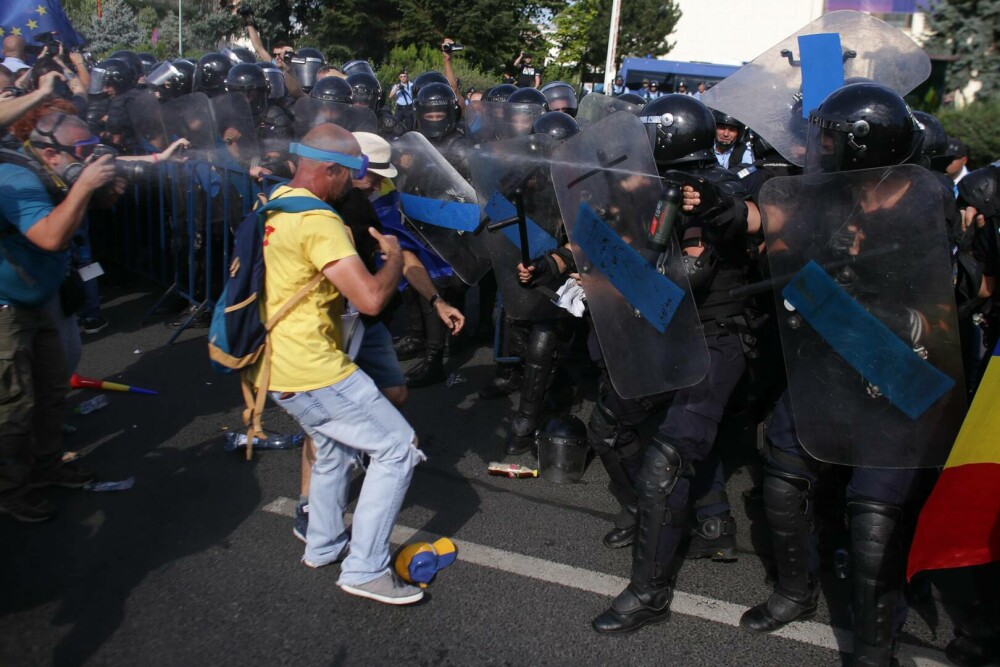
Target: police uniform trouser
{"type": "Point", "coordinates": [876, 498]}
{"type": "Point", "coordinates": [685, 438]}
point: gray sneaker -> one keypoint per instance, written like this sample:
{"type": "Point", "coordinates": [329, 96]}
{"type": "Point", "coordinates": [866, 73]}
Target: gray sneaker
{"type": "Point", "coordinates": [387, 589]}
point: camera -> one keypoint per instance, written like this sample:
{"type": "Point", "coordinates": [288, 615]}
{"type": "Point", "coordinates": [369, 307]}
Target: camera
{"type": "Point", "coordinates": [48, 40]}
{"type": "Point", "coordinates": [244, 10]}
{"type": "Point", "coordinates": [131, 170]}
{"type": "Point", "coordinates": [15, 90]}
{"type": "Point", "coordinates": [448, 48]}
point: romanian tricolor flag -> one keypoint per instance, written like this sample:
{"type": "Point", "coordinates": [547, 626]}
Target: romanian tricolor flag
{"type": "Point", "coordinates": [960, 524]}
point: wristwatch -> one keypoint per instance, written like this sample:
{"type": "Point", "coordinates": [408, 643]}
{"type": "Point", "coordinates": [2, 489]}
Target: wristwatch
{"type": "Point", "coordinates": [437, 297]}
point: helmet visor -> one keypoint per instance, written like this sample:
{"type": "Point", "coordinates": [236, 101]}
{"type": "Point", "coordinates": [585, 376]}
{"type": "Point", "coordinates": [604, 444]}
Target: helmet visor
{"type": "Point", "coordinates": [99, 78]}
{"type": "Point", "coordinates": [163, 74]}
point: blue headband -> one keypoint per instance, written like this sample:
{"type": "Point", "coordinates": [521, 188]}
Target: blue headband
{"type": "Point", "coordinates": [358, 163]}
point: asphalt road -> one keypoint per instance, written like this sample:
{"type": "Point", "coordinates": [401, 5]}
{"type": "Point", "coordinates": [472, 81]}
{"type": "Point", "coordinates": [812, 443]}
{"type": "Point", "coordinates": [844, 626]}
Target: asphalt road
{"type": "Point", "coordinates": [196, 564]}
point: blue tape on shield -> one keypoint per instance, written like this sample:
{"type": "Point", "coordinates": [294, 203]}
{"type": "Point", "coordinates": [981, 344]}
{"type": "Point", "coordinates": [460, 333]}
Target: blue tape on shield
{"type": "Point", "coordinates": [539, 240]}
{"type": "Point", "coordinates": [822, 68]}
{"type": "Point", "coordinates": [650, 292]}
{"type": "Point", "coordinates": [910, 383]}
{"type": "Point", "coordinates": [447, 214]}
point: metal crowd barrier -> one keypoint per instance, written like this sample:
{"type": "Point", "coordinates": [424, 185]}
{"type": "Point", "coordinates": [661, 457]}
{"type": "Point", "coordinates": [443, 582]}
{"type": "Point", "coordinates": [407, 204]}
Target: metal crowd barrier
{"type": "Point", "coordinates": [174, 226]}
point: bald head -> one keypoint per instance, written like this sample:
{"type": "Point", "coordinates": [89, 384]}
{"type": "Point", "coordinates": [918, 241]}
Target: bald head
{"type": "Point", "coordinates": [13, 47]}
{"type": "Point", "coordinates": [326, 180]}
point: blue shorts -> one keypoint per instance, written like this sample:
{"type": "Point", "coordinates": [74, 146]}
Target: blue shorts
{"type": "Point", "coordinates": [377, 358]}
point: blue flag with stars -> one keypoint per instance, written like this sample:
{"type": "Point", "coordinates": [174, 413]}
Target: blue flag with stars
{"type": "Point", "coordinates": [27, 18]}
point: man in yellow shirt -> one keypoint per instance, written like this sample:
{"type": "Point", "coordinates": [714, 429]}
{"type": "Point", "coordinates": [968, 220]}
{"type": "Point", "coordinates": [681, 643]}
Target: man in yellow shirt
{"type": "Point", "coordinates": [317, 383]}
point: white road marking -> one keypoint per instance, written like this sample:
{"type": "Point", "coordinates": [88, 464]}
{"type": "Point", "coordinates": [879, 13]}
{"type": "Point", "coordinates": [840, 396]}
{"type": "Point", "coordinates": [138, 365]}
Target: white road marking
{"type": "Point", "coordinates": [688, 604]}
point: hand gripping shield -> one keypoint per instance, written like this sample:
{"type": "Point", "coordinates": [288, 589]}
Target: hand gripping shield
{"type": "Point", "coordinates": [512, 177]}
{"type": "Point", "coordinates": [440, 205]}
{"type": "Point", "coordinates": [641, 304]}
{"type": "Point", "coordinates": [866, 310]}
{"type": "Point", "coordinates": [770, 93]}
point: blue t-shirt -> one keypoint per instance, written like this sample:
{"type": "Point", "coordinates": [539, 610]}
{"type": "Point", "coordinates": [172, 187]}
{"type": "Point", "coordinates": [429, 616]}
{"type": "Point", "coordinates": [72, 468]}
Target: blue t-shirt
{"type": "Point", "coordinates": [29, 276]}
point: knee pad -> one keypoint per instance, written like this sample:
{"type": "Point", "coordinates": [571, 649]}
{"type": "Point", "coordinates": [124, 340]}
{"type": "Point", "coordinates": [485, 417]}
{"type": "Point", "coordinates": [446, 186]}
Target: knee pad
{"type": "Point", "coordinates": [542, 345]}
{"type": "Point", "coordinates": [787, 492]}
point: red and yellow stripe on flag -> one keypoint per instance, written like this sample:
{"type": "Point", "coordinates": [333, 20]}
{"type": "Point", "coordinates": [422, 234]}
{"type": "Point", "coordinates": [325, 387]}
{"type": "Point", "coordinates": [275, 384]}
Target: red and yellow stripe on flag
{"type": "Point", "coordinates": [960, 524]}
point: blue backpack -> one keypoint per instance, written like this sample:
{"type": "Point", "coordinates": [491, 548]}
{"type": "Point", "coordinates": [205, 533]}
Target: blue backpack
{"type": "Point", "coordinates": [237, 337]}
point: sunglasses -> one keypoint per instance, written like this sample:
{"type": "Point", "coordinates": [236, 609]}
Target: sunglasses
{"type": "Point", "coordinates": [357, 164]}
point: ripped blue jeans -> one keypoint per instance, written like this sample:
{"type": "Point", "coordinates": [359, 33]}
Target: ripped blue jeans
{"type": "Point", "coordinates": [342, 419]}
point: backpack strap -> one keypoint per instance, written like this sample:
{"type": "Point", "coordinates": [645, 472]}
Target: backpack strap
{"type": "Point", "coordinates": [254, 398]}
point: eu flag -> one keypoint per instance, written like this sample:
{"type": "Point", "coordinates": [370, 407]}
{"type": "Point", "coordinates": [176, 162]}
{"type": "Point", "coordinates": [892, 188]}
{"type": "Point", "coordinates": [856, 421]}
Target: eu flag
{"type": "Point", "coordinates": [27, 18]}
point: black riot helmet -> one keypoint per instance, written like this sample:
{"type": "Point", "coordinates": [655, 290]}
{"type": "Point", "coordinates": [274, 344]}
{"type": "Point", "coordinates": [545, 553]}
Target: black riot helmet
{"type": "Point", "coordinates": [761, 147]}
{"type": "Point", "coordinates": [249, 80]}
{"type": "Point", "coordinates": [499, 93]}
{"type": "Point", "coordinates": [632, 98]}
{"type": "Point", "coordinates": [366, 90]}
{"type": "Point", "coordinates": [332, 89]}
{"type": "Point", "coordinates": [933, 153]}
{"type": "Point", "coordinates": [562, 449]}
{"type": "Point", "coordinates": [436, 107]}
{"type": "Point", "coordinates": [722, 118]}
{"type": "Point", "coordinates": [239, 54]}
{"type": "Point", "coordinates": [113, 72]}
{"type": "Point", "coordinates": [427, 78]}
{"type": "Point", "coordinates": [172, 79]}
{"type": "Point", "coordinates": [528, 96]}
{"type": "Point", "coordinates": [210, 74]}
{"type": "Point", "coordinates": [305, 64]}
{"type": "Point", "coordinates": [558, 125]}
{"type": "Point", "coordinates": [860, 126]}
{"type": "Point", "coordinates": [149, 62]}
{"type": "Point", "coordinates": [133, 60]}
{"type": "Point", "coordinates": [560, 97]}
{"type": "Point", "coordinates": [357, 67]}
{"type": "Point", "coordinates": [275, 80]}
{"type": "Point", "coordinates": [681, 130]}
{"type": "Point", "coordinates": [981, 190]}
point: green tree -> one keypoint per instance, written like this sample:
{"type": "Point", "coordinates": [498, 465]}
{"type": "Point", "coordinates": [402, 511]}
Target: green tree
{"type": "Point", "coordinates": [976, 125]}
{"type": "Point", "coordinates": [116, 27]}
{"type": "Point", "coordinates": [581, 31]}
{"type": "Point", "coordinates": [147, 19]}
{"type": "Point", "coordinates": [969, 30]}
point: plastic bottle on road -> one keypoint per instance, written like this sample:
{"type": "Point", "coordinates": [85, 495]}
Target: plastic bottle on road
{"type": "Point", "coordinates": [92, 405]}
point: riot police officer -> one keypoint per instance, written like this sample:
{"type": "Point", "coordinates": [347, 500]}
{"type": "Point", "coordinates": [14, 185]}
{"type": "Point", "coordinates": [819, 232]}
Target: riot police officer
{"type": "Point", "coordinates": [860, 126]}
{"type": "Point", "coordinates": [664, 475]}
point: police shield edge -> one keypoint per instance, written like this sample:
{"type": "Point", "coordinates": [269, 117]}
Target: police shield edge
{"type": "Point", "coordinates": [440, 205]}
{"type": "Point", "coordinates": [311, 112]}
{"type": "Point", "coordinates": [484, 121]}
{"type": "Point", "coordinates": [647, 323]}
{"type": "Point", "coordinates": [866, 311]}
{"type": "Point", "coordinates": [766, 93]}
{"type": "Point", "coordinates": [191, 117]}
{"type": "Point", "coordinates": [595, 107]}
{"type": "Point", "coordinates": [508, 174]}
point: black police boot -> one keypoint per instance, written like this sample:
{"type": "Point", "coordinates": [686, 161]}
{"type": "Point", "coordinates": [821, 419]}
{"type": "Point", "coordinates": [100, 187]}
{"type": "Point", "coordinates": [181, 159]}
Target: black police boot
{"type": "Point", "coordinates": [714, 538]}
{"type": "Point", "coordinates": [507, 381]}
{"type": "Point", "coordinates": [877, 574]}
{"type": "Point", "coordinates": [646, 600]}
{"type": "Point", "coordinates": [429, 371]}
{"type": "Point", "coordinates": [409, 347]}
{"type": "Point", "coordinates": [623, 534]}
{"type": "Point", "coordinates": [977, 640]}
{"type": "Point", "coordinates": [539, 360]}
{"type": "Point", "coordinates": [787, 501]}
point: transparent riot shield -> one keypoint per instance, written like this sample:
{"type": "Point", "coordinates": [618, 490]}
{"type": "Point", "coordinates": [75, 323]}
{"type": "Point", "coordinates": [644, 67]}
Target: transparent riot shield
{"type": "Point", "coordinates": [193, 118]}
{"type": "Point", "coordinates": [513, 183]}
{"type": "Point", "coordinates": [440, 205]}
{"type": "Point", "coordinates": [595, 107]}
{"type": "Point", "coordinates": [311, 112]}
{"type": "Point", "coordinates": [766, 93]}
{"type": "Point", "coordinates": [861, 276]}
{"type": "Point", "coordinates": [646, 320]}
{"type": "Point", "coordinates": [144, 113]}
{"type": "Point", "coordinates": [237, 127]}
{"type": "Point", "coordinates": [484, 121]}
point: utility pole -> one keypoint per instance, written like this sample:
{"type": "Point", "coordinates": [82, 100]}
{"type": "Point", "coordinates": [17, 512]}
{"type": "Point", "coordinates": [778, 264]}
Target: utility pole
{"type": "Point", "coordinates": [609, 64]}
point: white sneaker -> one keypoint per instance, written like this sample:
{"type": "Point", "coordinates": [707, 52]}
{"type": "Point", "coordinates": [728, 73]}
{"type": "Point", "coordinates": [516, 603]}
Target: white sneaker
{"type": "Point", "coordinates": [387, 589]}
